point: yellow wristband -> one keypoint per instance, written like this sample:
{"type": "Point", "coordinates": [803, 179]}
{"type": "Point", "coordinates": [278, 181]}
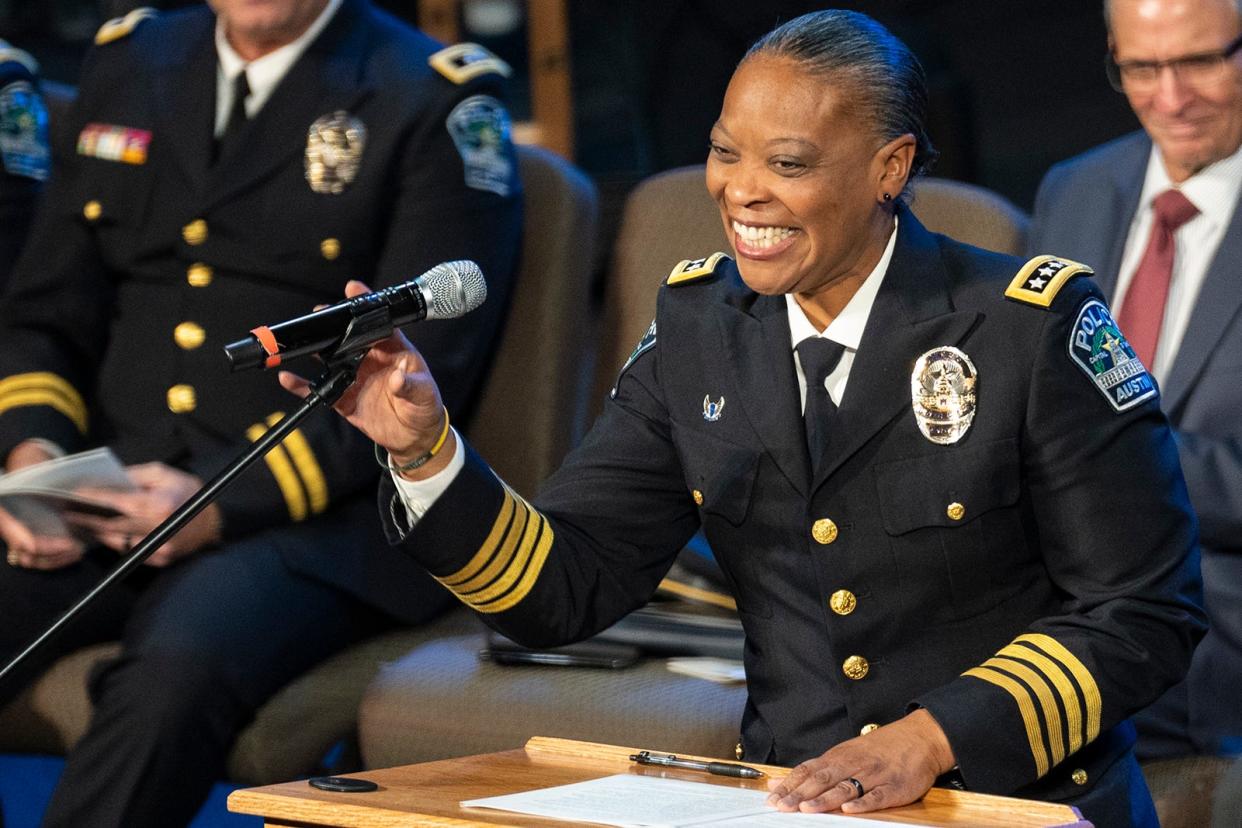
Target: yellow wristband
{"type": "Point", "coordinates": [417, 461]}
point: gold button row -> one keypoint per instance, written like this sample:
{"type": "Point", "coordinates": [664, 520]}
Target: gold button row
{"type": "Point", "coordinates": [182, 399]}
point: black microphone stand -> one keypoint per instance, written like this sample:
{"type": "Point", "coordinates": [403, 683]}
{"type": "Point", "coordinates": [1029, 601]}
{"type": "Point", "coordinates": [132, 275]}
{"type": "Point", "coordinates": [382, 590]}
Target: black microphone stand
{"type": "Point", "coordinates": [342, 369]}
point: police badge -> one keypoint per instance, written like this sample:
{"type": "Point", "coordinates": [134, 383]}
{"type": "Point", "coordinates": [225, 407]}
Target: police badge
{"type": "Point", "coordinates": [943, 390]}
{"type": "Point", "coordinates": [334, 147]}
{"type": "Point", "coordinates": [712, 410]}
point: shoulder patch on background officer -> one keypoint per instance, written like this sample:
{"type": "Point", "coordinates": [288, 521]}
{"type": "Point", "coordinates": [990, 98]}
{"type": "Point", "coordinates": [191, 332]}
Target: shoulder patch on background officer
{"type": "Point", "coordinates": [1097, 346]}
{"type": "Point", "coordinates": [644, 345]}
{"type": "Point", "coordinates": [10, 54]}
{"type": "Point", "coordinates": [480, 128]}
{"type": "Point", "coordinates": [24, 146]}
{"type": "Point", "coordinates": [694, 270]}
{"type": "Point", "coordinates": [465, 61]}
{"type": "Point", "coordinates": [1040, 279]}
{"type": "Point", "coordinates": [119, 27]}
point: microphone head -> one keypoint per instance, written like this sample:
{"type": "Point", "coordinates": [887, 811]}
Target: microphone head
{"type": "Point", "coordinates": [452, 289]}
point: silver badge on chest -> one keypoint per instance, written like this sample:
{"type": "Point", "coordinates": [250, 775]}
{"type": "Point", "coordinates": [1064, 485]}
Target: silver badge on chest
{"type": "Point", "coordinates": [334, 147]}
{"type": "Point", "coordinates": [944, 389]}
{"type": "Point", "coordinates": [712, 409]}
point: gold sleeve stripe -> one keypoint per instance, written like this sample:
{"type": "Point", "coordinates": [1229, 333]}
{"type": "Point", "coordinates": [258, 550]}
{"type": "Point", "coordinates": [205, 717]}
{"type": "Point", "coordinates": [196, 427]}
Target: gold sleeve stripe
{"type": "Point", "coordinates": [530, 576]}
{"type": "Point", "coordinates": [505, 568]}
{"type": "Point", "coordinates": [1069, 696]}
{"type": "Point", "coordinates": [1029, 717]}
{"type": "Point", "coordinates": [306, 465]}
{"type": "Point", "coordinates": [480, 559]}
{"type": "Point", "coordinates": [523, 547]}
{"type": "Point", "coordinates": [286, 477]}
{"type": "Point", "coordinates": [502, 560]}
{"type": "Point", "coordinates": [1047, 702]}
{"type": "Point", "coordinates": [1090, 690]}
{"type": "Point", "coordinates": [44, 388]}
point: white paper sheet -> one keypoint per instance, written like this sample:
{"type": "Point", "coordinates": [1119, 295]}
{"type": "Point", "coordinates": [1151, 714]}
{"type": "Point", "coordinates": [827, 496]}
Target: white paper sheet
{"type": "Point", "coordinates": [629, 801]}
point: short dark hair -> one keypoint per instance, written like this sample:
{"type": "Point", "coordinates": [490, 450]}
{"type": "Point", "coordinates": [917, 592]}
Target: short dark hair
{"type": "Point", "coordinates": [889, 85]}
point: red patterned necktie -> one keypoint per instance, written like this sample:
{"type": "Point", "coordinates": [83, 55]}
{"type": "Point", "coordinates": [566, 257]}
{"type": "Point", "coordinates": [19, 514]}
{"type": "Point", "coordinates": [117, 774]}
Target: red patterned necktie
{"type": "Point", "coordinates": [1142, 312]}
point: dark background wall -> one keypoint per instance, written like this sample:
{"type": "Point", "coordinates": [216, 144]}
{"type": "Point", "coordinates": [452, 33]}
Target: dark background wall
{"type": "Point", "coordinates": [1016, 84]}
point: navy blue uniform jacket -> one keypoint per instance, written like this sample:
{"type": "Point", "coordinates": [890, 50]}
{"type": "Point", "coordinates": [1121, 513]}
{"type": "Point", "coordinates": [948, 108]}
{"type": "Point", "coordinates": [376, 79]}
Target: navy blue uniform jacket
{"type": "Point", "coordinates": [1030, 622]}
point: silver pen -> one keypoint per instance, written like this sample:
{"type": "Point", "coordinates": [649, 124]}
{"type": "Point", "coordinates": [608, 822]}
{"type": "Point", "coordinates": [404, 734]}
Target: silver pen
{"type": "Point", "coordinates": [646, 757]}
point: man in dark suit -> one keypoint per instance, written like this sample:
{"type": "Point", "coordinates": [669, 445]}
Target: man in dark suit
{"type": "Point", "coordinates": [24, 151]}
{"type": "Point", "coordinates": [222, 171]}
{"type": "Point", "coordinates": [1156, 214]}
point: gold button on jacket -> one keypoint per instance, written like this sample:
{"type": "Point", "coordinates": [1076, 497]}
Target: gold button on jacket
{"type": "Point", "coordinates": [330, 248]}
{"type": "Point", "coordinates": [189, 335]}
{"type": "Point", "coordinates": [867, 728]}
{"type": "Point", "coordinates": [195, 232]}
{"type": "Point", "coordinates": [824, 531]}
{"type": "Point", "coordinates": [199, 275]}
{"type": "Point", "coordinates": [698, 497]}
{"type": "Point", "coordinates": [1079, 776]}
{"type": "Point", "coordinates": [182, 399]}
{"type": "Point", "coordinates": [855, 667]}
{"type": "Point", "coordinates": [955, 511]}
{"type": "Point", "coordinates": [843, 602]}
{"type": "Point", "coordinates": [92, 210]}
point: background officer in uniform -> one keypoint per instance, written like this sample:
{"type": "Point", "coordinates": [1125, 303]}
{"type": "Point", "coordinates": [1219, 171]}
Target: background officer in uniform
{"type": "Point", "coordinates": [222, 171]}
{"type": "Point", "coordinates": [1156, 214]}
{"type": "Point", "coordinates": [984, 575]}
{"type": "Point", "coordinates": [24, 151]}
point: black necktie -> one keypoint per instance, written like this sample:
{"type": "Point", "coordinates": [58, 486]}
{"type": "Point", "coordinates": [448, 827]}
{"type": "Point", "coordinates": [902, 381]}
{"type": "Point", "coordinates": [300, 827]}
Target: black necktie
{"type": "Point", "coordinates": [237, 116]}
{"type": "Point", "coordinates": [819, 357]}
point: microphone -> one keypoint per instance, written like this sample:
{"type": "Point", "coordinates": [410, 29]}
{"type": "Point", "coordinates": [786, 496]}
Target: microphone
{"type": "Point", "coordinates": [447, 291]}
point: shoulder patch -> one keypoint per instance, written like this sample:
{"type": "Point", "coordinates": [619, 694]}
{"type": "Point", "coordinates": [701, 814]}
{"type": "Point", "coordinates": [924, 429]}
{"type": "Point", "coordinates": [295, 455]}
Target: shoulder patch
{"type": "Point", "coordinates": [1097, 346]}
{"type": "Point", "coordinates": [24, 148]}
{"type": "Point", "coordinates": [480, 129]}
{"type": "Point", "coordinates": [465, 61]}
{"type": "Point", "coordinates": [11, 54]}
{"type": "Point", "coordinates": [694, 270]}
{"type": "Point", "coordinates": [644, 345]}
{"type": "Point", "coordinates": [1040, 279]}
{"type": "Point", "coordinates": [119, 27]}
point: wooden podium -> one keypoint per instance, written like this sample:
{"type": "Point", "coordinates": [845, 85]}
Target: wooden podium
{"type": "Point", "coordinates": [428, 794]}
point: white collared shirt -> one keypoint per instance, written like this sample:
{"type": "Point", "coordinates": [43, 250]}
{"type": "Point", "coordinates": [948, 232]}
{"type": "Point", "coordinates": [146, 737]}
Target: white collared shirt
{"type": "Point", "coordinates": [1214, 190]}
{"type": "Point", "coordinates": [846, 329]}
{"type": "Point", "coordinates": [263, 74]}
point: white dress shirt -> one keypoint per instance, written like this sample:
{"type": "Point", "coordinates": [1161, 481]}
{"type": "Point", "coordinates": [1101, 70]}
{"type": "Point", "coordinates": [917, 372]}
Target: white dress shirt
{"type": "Point", "coordinates": [1214, 190]}
{"type": "Point", "coordinates": [263, 74]}
{"type": "Point", "coordinates": [847, 329]}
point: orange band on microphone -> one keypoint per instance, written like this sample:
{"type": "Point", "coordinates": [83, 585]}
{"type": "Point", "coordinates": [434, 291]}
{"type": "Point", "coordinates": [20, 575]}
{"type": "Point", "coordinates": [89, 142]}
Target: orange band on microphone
{"type": "Point", "coordinates": [268, 340]}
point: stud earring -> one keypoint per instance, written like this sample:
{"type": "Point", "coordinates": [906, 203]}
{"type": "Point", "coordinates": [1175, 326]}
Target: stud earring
{"type": "Point", "coordinates": [888, 196]}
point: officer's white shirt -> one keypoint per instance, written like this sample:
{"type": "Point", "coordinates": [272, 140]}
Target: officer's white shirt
{"type": "Point", "coordinates": [1214, 190]}
{"type": "Point", "coordinates": [263, 74]}
{"type": "Point", "coordinates": [847, 329]}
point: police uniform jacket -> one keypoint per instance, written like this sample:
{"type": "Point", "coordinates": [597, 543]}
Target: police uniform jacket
{"type": "Point", "coordinates": [148, 256]}
{"type": "Point", "coordinates": [1027, 584]}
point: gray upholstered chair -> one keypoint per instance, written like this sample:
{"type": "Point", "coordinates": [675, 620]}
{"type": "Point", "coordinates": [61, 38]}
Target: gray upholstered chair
{"type": "Point", "coordinates": [530, 412]}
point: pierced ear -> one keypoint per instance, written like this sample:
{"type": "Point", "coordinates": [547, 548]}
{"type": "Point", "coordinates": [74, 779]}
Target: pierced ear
{"type": "Point", "coordinates": [896, 160]}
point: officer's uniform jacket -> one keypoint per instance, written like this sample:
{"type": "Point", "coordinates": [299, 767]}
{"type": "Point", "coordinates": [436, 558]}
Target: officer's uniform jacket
{"type": "Point", "coordinates": [1026, 584]}
{"type": "Point", "coordinates": [148, 257]}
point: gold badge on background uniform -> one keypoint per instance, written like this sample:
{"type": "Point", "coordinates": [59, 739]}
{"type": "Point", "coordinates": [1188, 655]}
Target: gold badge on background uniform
{"type": "Point", "coordinates": [334, 147]}
{"type": "Point", "coordinates": [944, 390]}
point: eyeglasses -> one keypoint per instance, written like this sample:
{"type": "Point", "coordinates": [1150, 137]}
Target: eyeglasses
{"type": "Point", "coordinates": [1202, 69]}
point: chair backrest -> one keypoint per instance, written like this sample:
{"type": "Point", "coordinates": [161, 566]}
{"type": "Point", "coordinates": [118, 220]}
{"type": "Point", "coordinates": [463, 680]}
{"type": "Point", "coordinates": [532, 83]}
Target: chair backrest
{"type": "Point", "coordinates": [670, 217]}
{"type": "Point", "coordinates": [533, 406]}
{"type": "Point", "coordinates": [970, 214]}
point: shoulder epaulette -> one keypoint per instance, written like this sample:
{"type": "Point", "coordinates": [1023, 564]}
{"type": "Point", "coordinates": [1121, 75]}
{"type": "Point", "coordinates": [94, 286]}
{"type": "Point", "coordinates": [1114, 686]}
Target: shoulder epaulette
{"type": "Point", "coordinates": [466, 61]}
{"type": "Point", "coordinates": [1040, 279]}
{"type": "Point", "coordinates": [11, 54]}
{"type": "Point", "coordinates": [694, 270]}
{"type": "Point", "coordinates": [119, 27]}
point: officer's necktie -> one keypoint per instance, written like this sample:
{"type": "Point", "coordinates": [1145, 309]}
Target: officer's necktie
{"type": "Point", "coordinates": [818, 356]}
{"type": "Point", "coordinates": [1142, 312]}
{"type": "Point", "coordinates": [237, 116]}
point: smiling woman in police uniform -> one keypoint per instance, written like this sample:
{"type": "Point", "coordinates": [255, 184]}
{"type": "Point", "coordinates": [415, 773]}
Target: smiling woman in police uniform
{"type": "Point", "coordinates": [976, 559]}
{"type": "Point", "coordinates": [188, 207]}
